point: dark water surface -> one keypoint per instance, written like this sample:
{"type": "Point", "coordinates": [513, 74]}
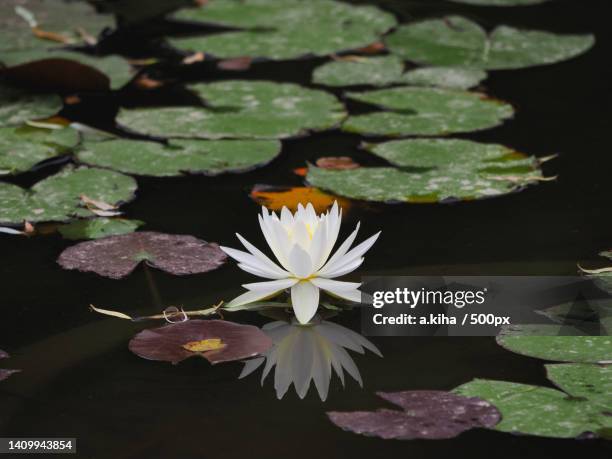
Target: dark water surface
{"type": "Point", "coordinates": [80, 380]}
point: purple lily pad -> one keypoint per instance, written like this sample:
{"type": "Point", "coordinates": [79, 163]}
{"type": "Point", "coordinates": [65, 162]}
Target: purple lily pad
{"type": "Point", "coordinates": [427, 415]}
{"type": "Point", "coordinates": [117, 256]}
{"type": "Point", "coordinates": [170, 343]}
{"type": "Point", "coordinates": [6, 373]}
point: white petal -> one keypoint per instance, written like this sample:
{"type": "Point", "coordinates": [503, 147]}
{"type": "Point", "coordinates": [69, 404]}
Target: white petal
{"type": "Point", "coordinates": [252, 261]}
{"type": "Point", "coordinates": [299, 262]}
{"type": "Point", "coordinates": [333, 285]}
{"type": "Point", "coordinates": [286, 217]}
{"type": "Point", "coordinates": [270, 236]}
{"type": "Point", "coordinates": [261, 256]}
{"type": "Point", "coordinates": [305, 301]}
{"type": "Point", "coordinates": [318, 246]}
{"type": "Point", "coordinates": [280, 284]}
{"type": "Point", "coordinates": [344, 269]}
{"type": "Point", "coordinates": [301, 235]}
{"type": "Point", "coordinates": [350, 295]}
{"type": "Point", "coordinates": [346, 245]}
{"type": "Point", "coordinates": [352, 255]}
{"type": "Point", "coordinates": [250, 297]}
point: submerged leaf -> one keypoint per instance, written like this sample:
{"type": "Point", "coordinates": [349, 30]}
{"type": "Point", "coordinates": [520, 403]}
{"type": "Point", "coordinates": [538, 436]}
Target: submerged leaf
{"type": "Point", "coordinates": [242, 110]}
{"type": "Point", "coordinates": [57, 69]}
{"type": "Point", "coordinates": [24, 147]}
{"type": "Point", "coordinates": [432, 170]}
{"type": "Point", "coordinates": [96, 228]}
{"type": "Point", "coordinates": [215, 340]}
{"type": "Point", "coordinates": [286, 29]}
{"type": "Point", "coordinates": [457, 41]}
{"type": "Point", "coordinates": [426, 112]}
{"type": "Point", "coordinates": [118, 256]}
{"type": "Point", "coordinates": [275, 198]}
{"type": "Point", "coordinates": [209, 157]}
{"type": "Point", "coordinates": [58, 197]}
{"type": "Point", "coordinates": [427, 414]}
{"type": "Point", "coordinates": [544, 342]}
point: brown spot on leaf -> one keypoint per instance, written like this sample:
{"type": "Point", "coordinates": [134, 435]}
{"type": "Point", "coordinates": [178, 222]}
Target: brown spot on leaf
{"type": "Point", "coordinates": [337, 163]}
{"type": "Point", "coordinates": [275, 198]}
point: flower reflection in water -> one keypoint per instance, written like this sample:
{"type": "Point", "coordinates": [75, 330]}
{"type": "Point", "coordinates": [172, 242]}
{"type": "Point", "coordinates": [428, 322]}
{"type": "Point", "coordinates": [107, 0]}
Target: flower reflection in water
{"type": "Point", "coordinates": [305, 353]}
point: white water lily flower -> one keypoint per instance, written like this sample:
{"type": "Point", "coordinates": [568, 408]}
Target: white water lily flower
{"type": "Point", "coordinates": [302, 243]}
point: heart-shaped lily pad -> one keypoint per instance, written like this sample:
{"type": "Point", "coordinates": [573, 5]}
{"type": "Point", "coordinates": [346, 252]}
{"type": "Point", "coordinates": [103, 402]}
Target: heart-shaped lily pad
{"type": "Point", "coordinates": [426, 112]}
{"type": "Point", "coordinates": [4, 373]}
{"type": "Point", "coordinates": [457, 41]}
{"type": "Point", "coordinates": [386, 70]}
{"type": "Point", "coordinates": [427, 415]}
{"type": "Point", "coordinates": [17, 107]}
{"type": "Point", "coordinates": [24, 147]}
{"type": "Point", "coordinates": [215, 340]}
{"type": "Point", "coordinates": [242, 110]}
{"type": "Point", "coordinates": [432, 170]}
{"type": "Point", "coordinates": [96, 228]}
{"type": "Point", "coordinates": [286, 29]}
{"type": "Point", "coordinates": [500, 2]}
{"type": "Point", "coordinates": [58, 198]}
{"type": "Point", "coordinates": [117, 256]}
{"type": "Point", "coordinates": [209, 157]}
{"type": "Point", "coordinates": [544, 342]}
{"type": "Point", "coordinates": [545, 412]}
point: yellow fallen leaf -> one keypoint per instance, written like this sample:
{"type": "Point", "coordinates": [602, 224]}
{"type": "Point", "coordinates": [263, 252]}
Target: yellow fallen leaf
{"type": "Point", "coordinates": [211, 344]}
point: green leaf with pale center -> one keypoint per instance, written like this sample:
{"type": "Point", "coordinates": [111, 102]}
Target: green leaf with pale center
{"type": "Point", "coordinates": [209, 157]}
{"type": "Point", "coordinates": [17, 107]}
{"type": "Point", "coordinates": [387, 70]}
{"type": "Point", "coordinates": [242, 109]}
{"type": "Point", "coordinates": [432, 170]}
{"type": "Point", "coordinates": [426, 111]}
{"type": "Point", "coordinates": [285, 29]}
{"type": "Point", "coordinates": [57, 198]}
{"type": "Point", "coordinates": [457, 41]}
{"type": "Point", "coordinates": [23, 147]}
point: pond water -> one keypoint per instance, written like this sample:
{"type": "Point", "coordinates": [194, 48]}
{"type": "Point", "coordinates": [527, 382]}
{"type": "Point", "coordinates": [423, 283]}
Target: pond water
{"type": "Point", "coordinates": [80, 380]}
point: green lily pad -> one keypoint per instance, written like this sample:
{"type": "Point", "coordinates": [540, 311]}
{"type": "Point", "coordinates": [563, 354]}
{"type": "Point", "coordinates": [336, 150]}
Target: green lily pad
{"type": "Point", "coordinates": [209, 157]}
{"type": "Point", "coordinates": [457, 41]}
{"type": "Point", "coordinates": [541, 411]}
{"type": "Point", "coordinates": [500, 2]}
{"type": "Point", "coordinates": [24, 147]}
{"type": "Point", "coordinates": [52, 16]}
{"type": "Point", "coordinates": [426, 112]}
{"type": "Point", "coordinates": [17, 107]}
{"type": "Point", "coordinates": [286, 29]}
{"type": "Point", "coordinates": [375, 71]}
{"type": "Point", "coordinates": [242, 109]}
{"type": "Point", "coordinates": [57, 198]}
{"type": "Point", "coordinates": [444, 77]}
{"type": "Point", "coordinates": [96, 228]}
{"type": "Point", "coordinates": [544, 342]}
{"type": "Point", "coordinates": [59, 66]}
{"type": "Point", "coordinates": [432, 170]}
{"type": "Point", "coordinates": [387, 70]}
{"type": "Point", "coordinates": [592, 382]}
